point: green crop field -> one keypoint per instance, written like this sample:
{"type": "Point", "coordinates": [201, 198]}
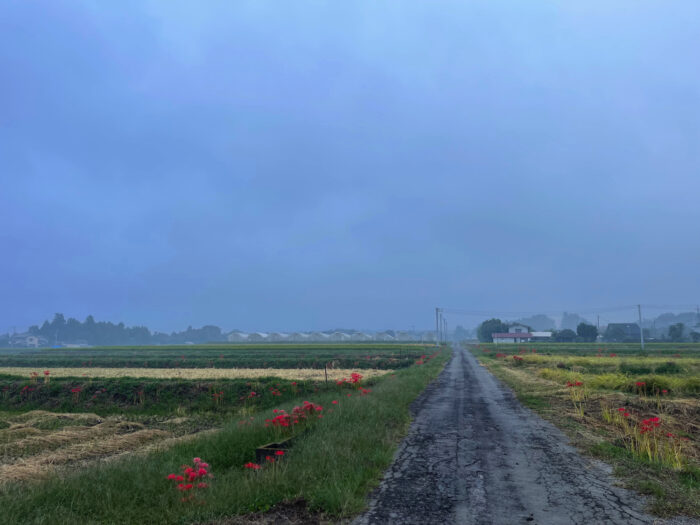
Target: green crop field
{"type": "Point", "coordinates": [359, 355]}
{"type": "Point", "coordinates": [639, 410]}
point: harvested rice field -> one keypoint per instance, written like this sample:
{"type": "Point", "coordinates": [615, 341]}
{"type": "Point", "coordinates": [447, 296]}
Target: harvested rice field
{"type": "Point", "coordinates": [101, 405]}
{"type": "Point", "coordinates": [303, 374]}
{"type": "Point", "coordinates": [38, 443]}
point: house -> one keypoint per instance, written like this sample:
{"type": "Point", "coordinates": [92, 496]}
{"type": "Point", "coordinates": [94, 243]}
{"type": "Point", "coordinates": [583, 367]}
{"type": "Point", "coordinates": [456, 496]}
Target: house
{"type": "Point", "coordinates": [517, 333]}
{"type": "Point", "coordinates": [27, 340]}
{"type": "Point", "coordinates": [541, 336]}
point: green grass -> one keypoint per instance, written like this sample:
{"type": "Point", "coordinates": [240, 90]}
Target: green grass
{"type": "Point", "coordinates": [332, 467]}
{"type": "Point", "coordinates": [359, 355]}
{"type": "Point", "coordinates": [670, 491]}
{"type": "Point", "coordinates": [160, 396]}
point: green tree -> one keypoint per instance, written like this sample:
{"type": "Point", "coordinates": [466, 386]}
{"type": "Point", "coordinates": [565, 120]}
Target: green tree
{"type": "Point", "coordinates": [564, 336]}
{"type": "Point", "coordinates": [675, 332]}
{"type": "Point", "coordinates": [490, 327]}
{"type": "Point", "coordinates": [587, 332]}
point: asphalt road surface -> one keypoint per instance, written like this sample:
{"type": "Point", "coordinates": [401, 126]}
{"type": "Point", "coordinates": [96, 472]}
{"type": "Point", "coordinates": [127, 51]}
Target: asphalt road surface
{"type": "Point", "coordinates": [475, 455]}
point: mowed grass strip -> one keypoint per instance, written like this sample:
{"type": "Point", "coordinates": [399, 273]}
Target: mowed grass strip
{"type": "Point", "coordinates": [332, 467]}
{"type": "Point", "coordinates": [195, 373]}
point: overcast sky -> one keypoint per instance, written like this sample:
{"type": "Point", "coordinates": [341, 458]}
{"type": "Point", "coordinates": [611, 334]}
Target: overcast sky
{"type": "Point", "coordinates": [310, 165]}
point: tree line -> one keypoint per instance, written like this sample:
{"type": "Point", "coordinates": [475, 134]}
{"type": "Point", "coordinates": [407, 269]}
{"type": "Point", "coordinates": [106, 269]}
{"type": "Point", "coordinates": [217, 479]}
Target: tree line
{"type": "Point", "coordinates": [584, 332]}
{"type": "Point", "coordinates": [61, 330]}
{"type": "Point", "coordinates": [588, 333]}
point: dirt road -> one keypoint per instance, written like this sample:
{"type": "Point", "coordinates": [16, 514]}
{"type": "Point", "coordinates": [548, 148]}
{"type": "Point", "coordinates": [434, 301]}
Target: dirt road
{"type": "Point", "coordinates": [474, 455]}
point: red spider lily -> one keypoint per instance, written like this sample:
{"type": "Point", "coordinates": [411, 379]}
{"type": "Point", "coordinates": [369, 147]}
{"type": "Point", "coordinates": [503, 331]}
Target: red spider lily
{"type": "Point", "coordinates": [252, 466]}
{"type": "Point", "coordinates": [46, 372]}
{"type": "Point", "coordinates": [334, 402]}
{"type": "Point", "coordinates": [279, 452]}
{"type": "Point", "coordinates": [612, 355]}
{"type": "Point", "coordinates": [640, 383]}
{"type": "Point", "coordinates": [620, 409]}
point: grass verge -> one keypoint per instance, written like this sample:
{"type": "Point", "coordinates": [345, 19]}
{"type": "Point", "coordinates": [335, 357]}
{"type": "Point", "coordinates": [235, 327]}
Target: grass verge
{"type": "Point", "coordinates": [332, 467]}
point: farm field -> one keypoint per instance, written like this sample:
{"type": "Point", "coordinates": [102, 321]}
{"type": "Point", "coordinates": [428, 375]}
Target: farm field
{"type": "Point", "coordinates": [64, 433]}
{"type": "Point", "coordinates": [196, 373]}
{"type": "Point", "coordinates": [358, 355]}
{"type": "Point", "coordinates": [638, 410]}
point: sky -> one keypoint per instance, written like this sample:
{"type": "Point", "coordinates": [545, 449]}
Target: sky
{"type": "Point", "coordinates": [310, 165]}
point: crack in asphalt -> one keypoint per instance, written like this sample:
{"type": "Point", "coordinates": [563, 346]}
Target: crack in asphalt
{"type": "Point", "coordinates": [475, 456]}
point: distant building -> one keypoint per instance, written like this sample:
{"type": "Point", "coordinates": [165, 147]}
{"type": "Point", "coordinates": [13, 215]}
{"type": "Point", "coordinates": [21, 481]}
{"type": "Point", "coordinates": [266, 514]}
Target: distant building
{"type": "Point", "coordinates": [237, 337]}
{"type": "Point", "coordinates": [511, 337]}
{"type": "Point", "coordinates": [384, 336]}
{"type": "Point", "coordinates": [541, 336]}
{"type": "Point", "coordinates": [27, 340]}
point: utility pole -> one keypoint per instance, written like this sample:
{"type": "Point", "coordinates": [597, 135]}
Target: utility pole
{"type": "Point", "coordinates": [437, 326]}
{"type": "Point", "coordinates": [444, 332]}
{"type": "Point", "coordinates": [641, 330]}
{"type": "Point", "coordinates": [598, 323]}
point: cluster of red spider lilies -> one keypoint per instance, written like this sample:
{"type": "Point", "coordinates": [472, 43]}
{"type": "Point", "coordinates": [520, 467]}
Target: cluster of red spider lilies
{"type": "Point", "coordinates": [268, 459]}
{"type": "Point", "coordinates": [300, 415]}
{"type": "Point", "coordinates": [191, 480]}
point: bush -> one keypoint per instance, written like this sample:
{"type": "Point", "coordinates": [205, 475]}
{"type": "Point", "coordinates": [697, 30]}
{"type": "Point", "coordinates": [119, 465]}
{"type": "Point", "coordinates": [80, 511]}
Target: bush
{"type": "Point", "coordinates": [668, 368]}
{"type": "Point", "coordinates": [634, 368]}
